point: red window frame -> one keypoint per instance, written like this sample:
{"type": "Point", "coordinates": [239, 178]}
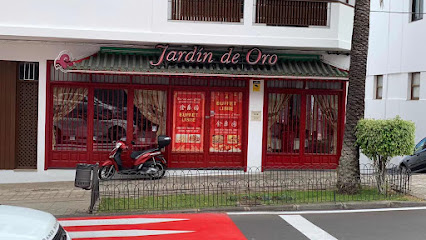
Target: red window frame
{"type": "Point", "coordinates": [89, 156]}
{"type": "Point", "coordinates": [302, 159]}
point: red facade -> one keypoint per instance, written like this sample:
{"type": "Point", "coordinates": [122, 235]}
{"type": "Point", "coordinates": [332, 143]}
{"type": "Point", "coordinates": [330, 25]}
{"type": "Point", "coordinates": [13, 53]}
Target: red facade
{"type": "Point", "coordinates": [207, 118]}
{"type": "Point", "coordinates": [303, 124]}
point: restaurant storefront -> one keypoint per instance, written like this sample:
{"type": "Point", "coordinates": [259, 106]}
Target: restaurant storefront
{"type": "Point", "coordinates": [202, 100]}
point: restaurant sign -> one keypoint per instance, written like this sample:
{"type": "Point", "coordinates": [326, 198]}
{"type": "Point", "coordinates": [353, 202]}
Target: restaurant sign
{"type": "Point", "coordinates": [196, 55]}
{"type": "Point", "coordinates": [254, 56]}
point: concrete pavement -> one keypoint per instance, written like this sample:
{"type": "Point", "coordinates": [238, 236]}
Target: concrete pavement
{"type": "Point", "coordinates": [418, 185]}
{"type": "Point", "coordinates": [58, 198]}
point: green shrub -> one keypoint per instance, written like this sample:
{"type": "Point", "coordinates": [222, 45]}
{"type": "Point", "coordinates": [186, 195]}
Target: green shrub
{"type": "Point", "coordinates": [380, 140]}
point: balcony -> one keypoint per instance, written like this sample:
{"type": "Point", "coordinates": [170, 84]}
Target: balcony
{"type": "Point", "coordinates": [285, 24]}
{"type": "Point", "coordinates": [208, 10]}
{"type": "Point", "coordinates": [297, 13]}
{"type": "Point", "coordinates": [292, 13]}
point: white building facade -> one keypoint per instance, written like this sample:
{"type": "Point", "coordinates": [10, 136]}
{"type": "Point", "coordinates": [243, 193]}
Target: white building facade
{"type": "Point", "coordinates": [314, 48]}
{"type": "Point", "coordinates": [396, 71]}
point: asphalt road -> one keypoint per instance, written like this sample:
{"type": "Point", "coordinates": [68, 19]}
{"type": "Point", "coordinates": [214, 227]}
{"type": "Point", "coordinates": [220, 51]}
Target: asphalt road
{"type": "Point", "coordinates": [392, 225]}
{"type": "Point", "coordinates": [382, 224]}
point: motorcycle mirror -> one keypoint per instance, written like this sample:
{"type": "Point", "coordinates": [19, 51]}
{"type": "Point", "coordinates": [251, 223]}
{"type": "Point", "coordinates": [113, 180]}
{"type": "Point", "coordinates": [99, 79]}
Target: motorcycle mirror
{"type": "Point", "coordinates": [114, 142]}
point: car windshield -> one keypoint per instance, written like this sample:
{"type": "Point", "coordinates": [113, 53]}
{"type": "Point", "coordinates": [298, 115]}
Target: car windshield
{"type": "Point", "coordinates": [420, 145]}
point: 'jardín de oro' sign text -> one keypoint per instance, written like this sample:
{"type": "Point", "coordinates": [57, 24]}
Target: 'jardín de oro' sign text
{"type": "Point", "coordinates": [198, 55]}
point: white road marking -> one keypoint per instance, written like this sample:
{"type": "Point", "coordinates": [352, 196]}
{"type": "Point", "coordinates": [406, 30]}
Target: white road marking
{"type": "Point", "coordinates": [117, 221]}
{"type": "Point", "coordinates": [122, 233]}
{"type": "Point", "coordinates": [329, 211]}
{"type": "Point", "coordinates": [119, 233]}
{"type": "Point", "coordinates": [307, 228]}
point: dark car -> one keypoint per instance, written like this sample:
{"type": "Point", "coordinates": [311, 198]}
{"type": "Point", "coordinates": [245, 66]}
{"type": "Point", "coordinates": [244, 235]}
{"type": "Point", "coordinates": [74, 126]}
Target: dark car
{"type": "Point", "coordinates": [417, 161]}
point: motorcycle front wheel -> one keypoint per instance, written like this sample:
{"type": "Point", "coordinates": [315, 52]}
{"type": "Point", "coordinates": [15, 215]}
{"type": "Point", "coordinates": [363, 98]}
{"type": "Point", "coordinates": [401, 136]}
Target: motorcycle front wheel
{"type": "Point", "coordinates": [106, 172]}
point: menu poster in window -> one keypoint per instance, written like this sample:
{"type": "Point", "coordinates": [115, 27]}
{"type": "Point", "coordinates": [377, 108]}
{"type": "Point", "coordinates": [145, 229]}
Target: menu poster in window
{"type": "Point", "coordinates": [226, 122]}
{"type": "Point", "coordinates": [188, 121]}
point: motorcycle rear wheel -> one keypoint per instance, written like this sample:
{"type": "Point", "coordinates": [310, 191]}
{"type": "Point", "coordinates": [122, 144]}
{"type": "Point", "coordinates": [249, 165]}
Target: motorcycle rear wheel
{"type": "Point", "coordinates": [161, 170]}
{"type": "Point", "coordinates": [106, 172]}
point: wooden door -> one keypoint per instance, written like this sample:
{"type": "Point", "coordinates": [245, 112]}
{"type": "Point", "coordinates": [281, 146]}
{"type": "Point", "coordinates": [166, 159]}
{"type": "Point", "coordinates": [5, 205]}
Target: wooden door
{"type": "Point", "coordinates": [8, 79]}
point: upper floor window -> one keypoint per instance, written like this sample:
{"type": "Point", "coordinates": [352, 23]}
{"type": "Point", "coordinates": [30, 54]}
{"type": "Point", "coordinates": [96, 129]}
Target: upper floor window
{"type": "Point", "coordinates": [379, 87]}
{"type": "Point", "coordinates": [415, 86]}
{"type": "Point", "coordinates": [207, 10]}
{"type": "Point", "coordinates": [28, 71]}
{"type": "Point", "coordinates": [416, 10]}
{"type": "Point", "coordinates": [292, 13]}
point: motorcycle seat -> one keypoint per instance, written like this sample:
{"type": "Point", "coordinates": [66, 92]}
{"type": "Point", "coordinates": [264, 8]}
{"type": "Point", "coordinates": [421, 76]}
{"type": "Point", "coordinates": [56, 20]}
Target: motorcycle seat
{"type": "Point", "coordinates": [136, 154]}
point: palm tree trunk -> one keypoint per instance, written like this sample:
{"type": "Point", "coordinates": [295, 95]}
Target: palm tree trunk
{"type": "Point", "coordinates": [348, 180]}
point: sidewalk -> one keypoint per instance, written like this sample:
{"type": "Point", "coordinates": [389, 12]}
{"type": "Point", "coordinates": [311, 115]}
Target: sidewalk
{"type": "Point", "coordinates": [58, 198]}
{"type": "Point", "coordinates": [418, 186]}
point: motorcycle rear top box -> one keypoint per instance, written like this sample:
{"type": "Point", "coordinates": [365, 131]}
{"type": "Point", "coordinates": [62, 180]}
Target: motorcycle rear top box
{"type": "Point", "coordinates": [163, 141]}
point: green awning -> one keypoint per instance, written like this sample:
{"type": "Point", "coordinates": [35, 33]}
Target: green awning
{"type": "Point", "coordinates": [128, 62]}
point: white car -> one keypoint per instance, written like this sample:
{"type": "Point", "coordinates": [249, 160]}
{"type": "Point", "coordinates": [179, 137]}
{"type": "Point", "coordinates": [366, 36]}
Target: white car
{"type": "Point", "coordinates": [18, 223]}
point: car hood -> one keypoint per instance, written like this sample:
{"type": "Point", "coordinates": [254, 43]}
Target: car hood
{"type": "Point", "coordinates": [405, 158]}
{"type": "Point", "coordinates": [26, 224]}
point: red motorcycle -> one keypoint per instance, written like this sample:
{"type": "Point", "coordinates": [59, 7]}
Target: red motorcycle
{"type": "Point", "coordinates": [148, 162]}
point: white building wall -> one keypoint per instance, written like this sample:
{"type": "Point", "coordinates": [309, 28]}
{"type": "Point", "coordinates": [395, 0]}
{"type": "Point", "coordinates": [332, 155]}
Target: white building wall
{"type": "Point", "coordinates": [39, 52]}
{"type": "Point", "coordinates": [255, 133]}
{"type": "Point", "coordinates": [396, 49]}
{"type": "Point", "coordinates": [341, 61]}
{"type": "Point", "coordinates": [148, 21]}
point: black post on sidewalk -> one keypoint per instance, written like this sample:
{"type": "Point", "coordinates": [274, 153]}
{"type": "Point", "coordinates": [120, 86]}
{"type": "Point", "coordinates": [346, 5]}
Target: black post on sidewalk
{"type": "Point", "coordinates": [95, 188]}
{"type": "Point", "coordinates": [86, 177]}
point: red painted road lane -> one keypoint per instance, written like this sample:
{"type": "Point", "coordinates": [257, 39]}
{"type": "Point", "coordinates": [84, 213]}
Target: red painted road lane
{"type": "Point", "coordinates": [206, 226]}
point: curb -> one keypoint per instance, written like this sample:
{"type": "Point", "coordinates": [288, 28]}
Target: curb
{"type": "Point", "coordinates": [293, 207]}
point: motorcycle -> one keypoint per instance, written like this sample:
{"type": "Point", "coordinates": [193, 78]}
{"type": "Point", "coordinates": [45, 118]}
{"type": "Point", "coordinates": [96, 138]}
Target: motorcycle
{"type": "Point", "coordinates": [148, 162]}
